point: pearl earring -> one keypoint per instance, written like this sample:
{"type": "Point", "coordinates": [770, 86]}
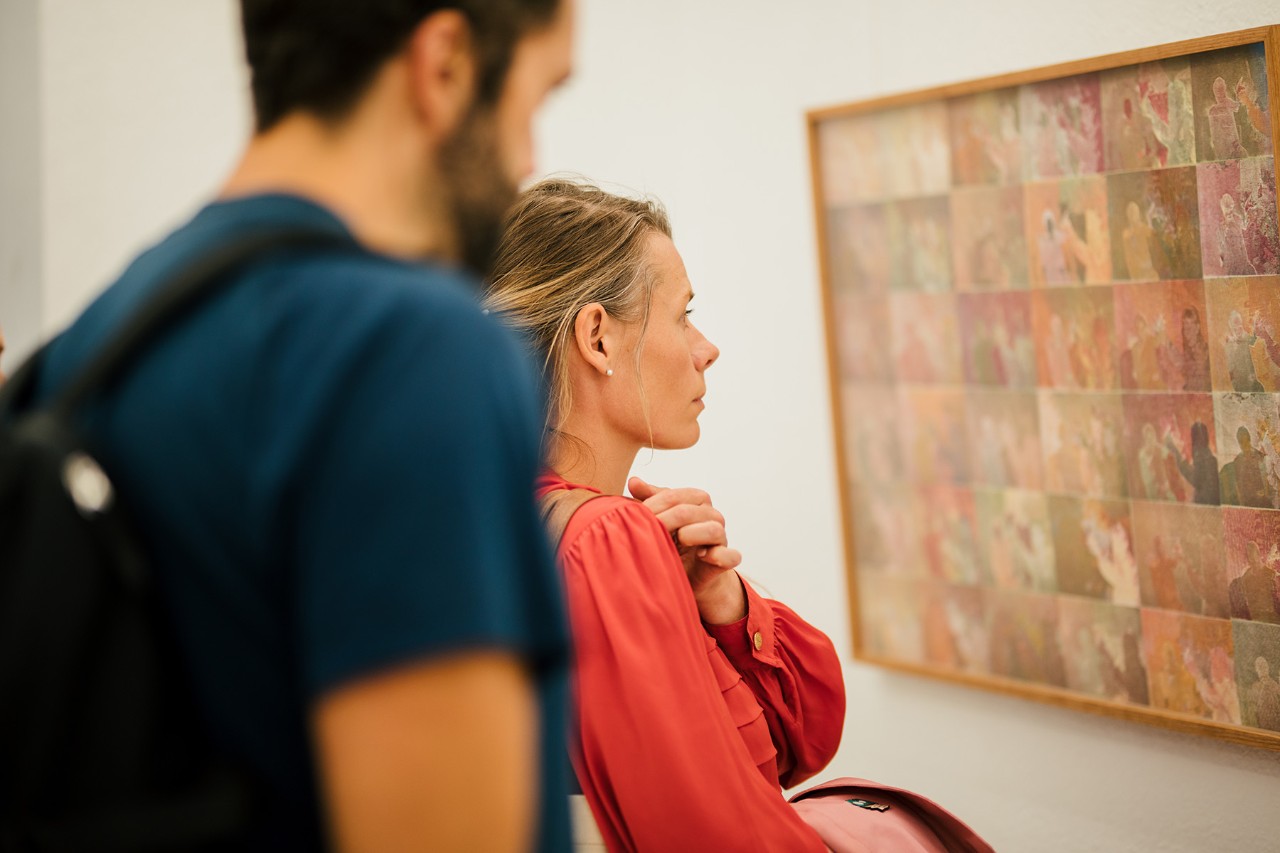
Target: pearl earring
{"type": "Point", "coordinates": [609, 372]}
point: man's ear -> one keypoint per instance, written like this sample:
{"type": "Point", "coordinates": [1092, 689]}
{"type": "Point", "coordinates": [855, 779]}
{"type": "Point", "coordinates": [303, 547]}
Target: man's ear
{"type": "Point", "coordinates": [595, 338]}
{"type": "Point", "coordinates": [442, 70]}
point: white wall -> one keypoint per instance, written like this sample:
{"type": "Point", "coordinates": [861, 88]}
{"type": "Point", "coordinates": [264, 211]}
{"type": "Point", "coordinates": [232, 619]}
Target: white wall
{"type": "Point", "coordinates": [143, 112]}
{"type": "Point", "coordinates": [20, 189]}
{"type": "Point", "coordinates": [702, 103]}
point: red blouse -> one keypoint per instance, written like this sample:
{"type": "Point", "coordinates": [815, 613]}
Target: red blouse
{"type": "Point", "coordinates": [685, 731]}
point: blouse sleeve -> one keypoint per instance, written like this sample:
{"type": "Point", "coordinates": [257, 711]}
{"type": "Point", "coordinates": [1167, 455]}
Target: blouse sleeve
{"type": "Point", "coordinates": [655, 740]}
{"type": "Point", "coordinates": [794, 672]}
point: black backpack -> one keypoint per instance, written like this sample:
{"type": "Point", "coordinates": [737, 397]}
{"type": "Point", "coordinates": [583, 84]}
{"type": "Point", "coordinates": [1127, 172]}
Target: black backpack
{"type": "Point", "coordinates": [101, 745]}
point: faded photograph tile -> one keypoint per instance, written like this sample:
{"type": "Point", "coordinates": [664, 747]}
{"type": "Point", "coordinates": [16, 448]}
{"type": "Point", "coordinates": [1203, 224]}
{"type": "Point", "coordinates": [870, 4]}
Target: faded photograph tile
{"type": "Point", "coordinates": [924, 331]}
{"type": "Point", "coordinates": [1082, 437]}
{"type": "Point", "coordinates": [1155, 224]}
{"type": "Point", "coordinates": [1068, 233]}
{"type": "Point", "coordinates": [988, 252]}
{"type": "Point", "coordinates": [1238, 230]}
{"type": "Point", "coordinates": [1161, 336]}
{"type": "Point", "coordinates": [1015, 539]}
{"type": "Point", "coordinates": [920, 245]}
{"type": "Point", "coordinates": [1162, 434]}
{"type": "Point", "coordinates": [955, 628]}
{"type": "Point", "coordinates": [862, 349]}
{"type": "Point", "coordinates": [1093, 549]}
{"type": "Point", "coordinates": [1257, 670]}
{"type": "Point", "coordinates": [937, 435]}
{"type": "Point", "coordinates": [1075, 338]}
{"type": "Point", "coordinates": [1244, 341]}
{"type": "Point", "coordinates": [1101, 647]}
{"type": "Point", "coordinates": [1231, 94]}
{"type": "Point", "coordinates": [1181, 562]}
{"type": "Point", "coordinates": [890, 610]}
{"type": "Point", "coordinates": [1248, 439]}
{"type": "Point", "coordinates": [1024, 637]}
{"type": "Point", "coordinates": [1062, 127]}
{"type": "Point", "coordinates": [1004, 436]}
{"type": "Point", "coordinates": [1252, 540]}
{"type": "Point", "coordinates": [947, 522]}
{"type": "Point", "coordinates": [852, 168]}
{"type": "Point", "coordinates": [1148, 119]}
{"type": "Point", "coordinates": [1190, 665]}
{"type": "Point", "coordinates": [858, 259]}
{"type": "Point", "coordinates": [997, 339]}
{"type": "Point", "coordinates": [986, 138]}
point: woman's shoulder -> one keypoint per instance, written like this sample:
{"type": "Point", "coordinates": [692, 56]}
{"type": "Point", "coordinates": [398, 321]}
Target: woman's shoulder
{"type": "Point", "coordinates": [611, 512]}
{"type": "Point", "coordinates": [616, 549]}
{"type": "Point", "coordinates": [616, 524]}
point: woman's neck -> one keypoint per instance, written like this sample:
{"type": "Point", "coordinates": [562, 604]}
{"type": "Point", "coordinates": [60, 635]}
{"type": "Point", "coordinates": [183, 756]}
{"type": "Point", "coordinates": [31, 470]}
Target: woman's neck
{"type": "Point", "coordinates": [602, 465]}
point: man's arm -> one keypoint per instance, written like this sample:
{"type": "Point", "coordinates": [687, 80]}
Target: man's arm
{"type": "Point", "coordinates": [421, 577]}
{"type": "Point", "coordinates": [437, 755]}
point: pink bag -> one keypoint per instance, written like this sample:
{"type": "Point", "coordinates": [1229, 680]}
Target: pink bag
{"type": "Point", "coordinates": [859, 816]}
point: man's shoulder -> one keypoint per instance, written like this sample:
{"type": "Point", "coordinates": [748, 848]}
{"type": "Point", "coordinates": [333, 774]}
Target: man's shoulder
{"type": "Point", "coordinates": [367, 284]}
{"type": "Point", "coordinates": [412, 314]}
{"type": "Point", "coordinates": [330, 272]}
{"type": "Point", "coordinates": [334, 268]}
{"type": "Point", "coordinates": [303, 325]}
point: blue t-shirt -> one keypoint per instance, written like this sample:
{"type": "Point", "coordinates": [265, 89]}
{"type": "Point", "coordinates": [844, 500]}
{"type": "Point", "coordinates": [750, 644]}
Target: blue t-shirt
{"type": "Point", "coordinates": [331, 464]}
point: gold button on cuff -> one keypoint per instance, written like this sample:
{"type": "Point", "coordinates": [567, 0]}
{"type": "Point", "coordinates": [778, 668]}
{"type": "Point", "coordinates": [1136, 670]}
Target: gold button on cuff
{"type": "Point", "coordinates": [758, 640]}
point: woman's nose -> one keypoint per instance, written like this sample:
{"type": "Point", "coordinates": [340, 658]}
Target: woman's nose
{"type": "Point", "coordinates": [705, 352]}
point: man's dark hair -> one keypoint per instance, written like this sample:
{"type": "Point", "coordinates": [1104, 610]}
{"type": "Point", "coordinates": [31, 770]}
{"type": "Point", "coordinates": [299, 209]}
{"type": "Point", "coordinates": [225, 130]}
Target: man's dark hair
{"type": "Point", "coordinates": [320, 55]}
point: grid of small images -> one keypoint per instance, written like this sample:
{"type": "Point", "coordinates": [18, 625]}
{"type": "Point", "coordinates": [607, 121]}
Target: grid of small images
{"type": "Point", "coordinates": [1057, 331]}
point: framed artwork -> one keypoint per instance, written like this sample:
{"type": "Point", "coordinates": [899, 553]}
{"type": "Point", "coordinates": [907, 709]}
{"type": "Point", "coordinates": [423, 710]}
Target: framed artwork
{"type": "Point", "coordinates": [1053, 320]}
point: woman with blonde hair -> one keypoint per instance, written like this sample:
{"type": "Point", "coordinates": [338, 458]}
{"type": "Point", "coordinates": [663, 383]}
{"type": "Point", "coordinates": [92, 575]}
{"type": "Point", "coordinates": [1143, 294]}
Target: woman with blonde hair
{"type": "Point", "coordinates": [697, 699]}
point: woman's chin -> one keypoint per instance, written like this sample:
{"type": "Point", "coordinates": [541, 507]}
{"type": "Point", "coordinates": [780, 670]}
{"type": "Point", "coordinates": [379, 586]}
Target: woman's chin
{"type": "Point", "coordinates": [686, 439]}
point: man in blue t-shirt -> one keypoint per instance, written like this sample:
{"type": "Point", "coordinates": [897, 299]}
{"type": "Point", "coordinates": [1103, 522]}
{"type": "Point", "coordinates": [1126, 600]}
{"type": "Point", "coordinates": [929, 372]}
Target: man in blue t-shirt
{"type": "Point", "coordinates": [331, 463]}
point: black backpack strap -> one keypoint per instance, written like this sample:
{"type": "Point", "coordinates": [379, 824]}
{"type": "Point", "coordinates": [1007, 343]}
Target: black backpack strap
{"type": "Point", "coordinates": [19, 391]}
{"type": "Point", "coordinates": [187, 289]}
{"type": "Point", "coordinates": [91, 642]}
{"type": "Point", "coordinates": [199, 819]}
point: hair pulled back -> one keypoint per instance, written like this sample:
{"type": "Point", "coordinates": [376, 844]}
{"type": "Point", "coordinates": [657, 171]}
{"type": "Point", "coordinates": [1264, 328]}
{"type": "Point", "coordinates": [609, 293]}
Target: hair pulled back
{"type": "Point", "coordinates": [569, 244]}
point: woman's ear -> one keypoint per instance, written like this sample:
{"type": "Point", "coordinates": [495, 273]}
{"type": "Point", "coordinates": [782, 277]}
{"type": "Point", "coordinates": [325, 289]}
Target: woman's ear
{"type": "Point", "coordinates": [442, 71]}
{"type": "Point", "coordinates": [594, 337]}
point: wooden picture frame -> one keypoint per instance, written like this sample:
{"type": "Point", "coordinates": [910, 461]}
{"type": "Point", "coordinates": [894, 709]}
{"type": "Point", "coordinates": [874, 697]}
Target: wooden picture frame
{"type": "Point", "coordinates": [1052, 305]}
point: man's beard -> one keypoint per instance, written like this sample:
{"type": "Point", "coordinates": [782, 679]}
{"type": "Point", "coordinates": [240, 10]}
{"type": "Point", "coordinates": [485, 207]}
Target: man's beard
{"type": "Point", "coordinates": [477, 193]}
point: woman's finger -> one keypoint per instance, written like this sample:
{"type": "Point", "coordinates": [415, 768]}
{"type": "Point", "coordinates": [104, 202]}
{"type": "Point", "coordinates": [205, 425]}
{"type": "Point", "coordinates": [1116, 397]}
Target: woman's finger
{"type": "Point", "coordinates": [683, 515]}
{"type": "Point", "coordinates": [666, 498]}
{"type": "Point", "coordinates": [722, 557]}
{"type": "Point", "coordinates": [641, 491]}
{"type": "Point", "coordinates": [702, 534]}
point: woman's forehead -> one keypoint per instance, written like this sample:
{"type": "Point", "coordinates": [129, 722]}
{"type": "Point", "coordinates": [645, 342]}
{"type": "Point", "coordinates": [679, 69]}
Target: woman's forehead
{"type": "Point", "coordinates": [671, 280]}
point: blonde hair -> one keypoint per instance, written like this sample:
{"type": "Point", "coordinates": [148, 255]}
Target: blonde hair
{"type": "Point", "coordinates": [568, 244]}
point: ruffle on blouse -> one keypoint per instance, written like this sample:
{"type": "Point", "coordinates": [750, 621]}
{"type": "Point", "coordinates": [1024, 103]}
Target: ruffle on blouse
{"type": "Point", "coordinates": [746, 713]}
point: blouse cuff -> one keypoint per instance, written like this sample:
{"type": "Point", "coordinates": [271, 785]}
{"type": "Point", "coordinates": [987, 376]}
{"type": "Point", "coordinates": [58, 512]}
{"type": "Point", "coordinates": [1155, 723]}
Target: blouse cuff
{"type": "Point", "coordinates": [751, 637]}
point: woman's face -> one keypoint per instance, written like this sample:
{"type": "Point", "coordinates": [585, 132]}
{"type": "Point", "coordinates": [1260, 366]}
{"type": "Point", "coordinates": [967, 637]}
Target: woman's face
{"type": "Point", "coordinates": [673, 356]}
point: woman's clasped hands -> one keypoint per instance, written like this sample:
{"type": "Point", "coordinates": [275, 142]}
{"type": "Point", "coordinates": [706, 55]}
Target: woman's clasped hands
{"type": "Point", "coordinates": [698, 530]}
